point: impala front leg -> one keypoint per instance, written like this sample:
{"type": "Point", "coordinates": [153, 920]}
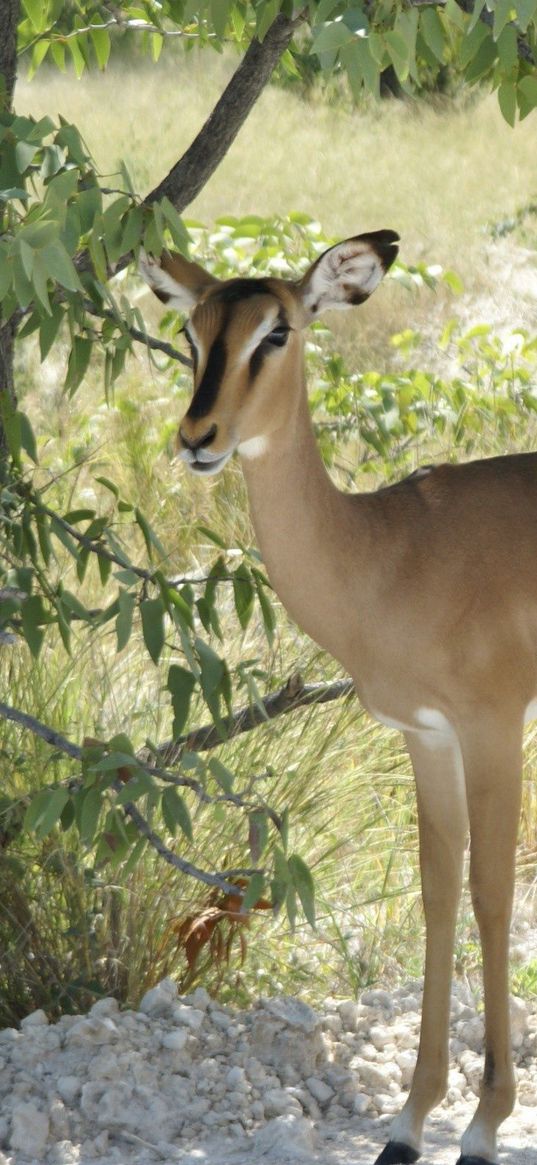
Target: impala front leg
{"type": "Point", "coordinates": [493, 768]}
{"type": "Point", "coordinates": [443, 824]}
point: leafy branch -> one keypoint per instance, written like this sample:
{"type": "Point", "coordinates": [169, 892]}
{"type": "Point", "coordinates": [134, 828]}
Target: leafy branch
{"type": "Point", "coordinates": [127, 771]}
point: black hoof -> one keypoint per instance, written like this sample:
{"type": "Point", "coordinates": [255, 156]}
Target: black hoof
{"type": "Point", "coordinates": [396, 1153]}
{"type": "Point", "coordinates": [469, 1159]}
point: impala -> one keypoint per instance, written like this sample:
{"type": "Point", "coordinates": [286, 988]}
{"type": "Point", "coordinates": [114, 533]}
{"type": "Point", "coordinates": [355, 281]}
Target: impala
{"type": "Point", "coordinates": [425, 591]}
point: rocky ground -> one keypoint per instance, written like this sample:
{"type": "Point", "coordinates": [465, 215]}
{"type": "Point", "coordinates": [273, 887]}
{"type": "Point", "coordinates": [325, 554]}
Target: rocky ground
{"type": "Point", "coordinates": [187, 1080]}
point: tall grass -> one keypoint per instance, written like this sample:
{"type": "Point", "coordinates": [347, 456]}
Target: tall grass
{"type": "Point", "coordinates": [438, 173]}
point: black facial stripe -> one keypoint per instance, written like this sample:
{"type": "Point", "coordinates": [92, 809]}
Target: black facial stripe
{"type": "Point", "coordinates": [207, 391]}
{"type": "Point", "coordinates": [209, 386]}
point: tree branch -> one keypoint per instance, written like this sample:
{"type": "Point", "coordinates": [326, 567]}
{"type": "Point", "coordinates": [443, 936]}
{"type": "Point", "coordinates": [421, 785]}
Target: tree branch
{"type": "Point", "coordinates": [193, 170]}
{"type": "Point", "coordinates": [294, 694]}
{"type": "Point", "coordinates": [139, 336]}
{"type": "Point", "coordinates": [60, 742]}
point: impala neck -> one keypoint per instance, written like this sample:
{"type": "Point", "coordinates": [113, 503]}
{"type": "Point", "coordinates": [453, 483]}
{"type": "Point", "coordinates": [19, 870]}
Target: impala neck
{"type": "Point", "coordinates": [306, 530]}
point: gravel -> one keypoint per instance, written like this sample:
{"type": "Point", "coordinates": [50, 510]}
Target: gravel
{"type": "Point", "coordinates": [187, 1080]}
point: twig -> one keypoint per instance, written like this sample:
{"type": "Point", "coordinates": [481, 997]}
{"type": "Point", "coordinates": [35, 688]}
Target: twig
{"type": "Point", "coordinates": [137, 334]}
{"type": "Point", "coordinates": [168, 855]}
{"type": "Point", "coordinates": [43, 730]}
{"type": "Point", "coordinates": [60, 742]}
{"type": "Point", "coordinates": [294, 694]}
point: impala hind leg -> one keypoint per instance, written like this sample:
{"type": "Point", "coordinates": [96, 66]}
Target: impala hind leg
{"type": "Point", "coordinates": [443, 826]}
{"type": "Point", "coordinates": [493, 770]}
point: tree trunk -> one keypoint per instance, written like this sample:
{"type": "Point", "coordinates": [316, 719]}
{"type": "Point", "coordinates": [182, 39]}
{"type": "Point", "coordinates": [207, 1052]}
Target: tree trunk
{"type": "Point", "coordinates": [9, 20]}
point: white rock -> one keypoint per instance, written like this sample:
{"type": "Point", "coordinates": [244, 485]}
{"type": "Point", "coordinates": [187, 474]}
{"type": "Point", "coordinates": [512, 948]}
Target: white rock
{"type": "Point", "coordinates": [69, 1087]}
{"type": "Point", "coordinates": [34, 1019]}
{"type": "Point", "coordinates": [290, 1137]}
{"type": "Point", "coordinates": [349, 1013]}
{"type": "Point", "coordinates": [277, 1102]}
{"type": "Point", "coordinates": [191, 1017]}
{"type": "Point", "coordinates": [199, 998]}
{"type": "Point", "coordinates": [321, 1091]}
{"type": "Point", "coordinates": [376, 1077]}
{"type": "Point", "coordinates": [361, 1103]}
{"type": "Point", "coordinates": [30, 1129]}
{"type": "Point", "coordinates": [175, 1040]}
{"type": "Point", "coordinates": [108, 1006]}
{"type": "Point", "coordinates": [377, 998]}
{"type": "Point", "coordinates": [293, 1012]}
{"type": "Point", "coordinates": [158, 1000]}
{"type": "Point", "coordinates": [406, 1062]}
{"type": "Point", "coordinates": [93, 1030]}
{"type": "Point", "coordinates": [519, 1013]}
{"type": "Point", "coordinates": [472, 1033]}
{"type": "Point", "coordinates": [236, 1079]}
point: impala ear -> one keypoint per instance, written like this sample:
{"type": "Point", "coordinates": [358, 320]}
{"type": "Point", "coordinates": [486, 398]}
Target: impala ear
{"type": "Point", "coordinates": [348, 273]}
{"type": "Point", "coordinates": [174, 279]}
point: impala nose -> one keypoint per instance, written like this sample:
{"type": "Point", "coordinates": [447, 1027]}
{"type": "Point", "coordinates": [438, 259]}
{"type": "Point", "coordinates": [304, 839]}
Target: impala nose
{"type": "Point", "coordinates": [194, 443]}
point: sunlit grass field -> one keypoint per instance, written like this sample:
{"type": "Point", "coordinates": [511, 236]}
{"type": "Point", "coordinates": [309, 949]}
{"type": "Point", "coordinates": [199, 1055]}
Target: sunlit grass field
{"type": "Point", "coordinates": [439, 173]}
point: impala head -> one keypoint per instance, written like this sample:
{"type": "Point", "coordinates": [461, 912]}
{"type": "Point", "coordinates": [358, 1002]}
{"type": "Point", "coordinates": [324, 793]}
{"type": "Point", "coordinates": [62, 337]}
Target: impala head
{"type": "Point", "coordinates": [245, 339]}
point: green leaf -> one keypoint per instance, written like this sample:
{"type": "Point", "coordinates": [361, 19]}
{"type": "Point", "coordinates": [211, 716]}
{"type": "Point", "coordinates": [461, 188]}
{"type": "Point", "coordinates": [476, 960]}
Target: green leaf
{"type": "Point", "coordinates": [153, 626]}
{"type": "Point", "coordinates": [483, 60]}
{"type": "Point", "coordinates": [432, 31]}
{"type": "Point", "coordinates": [502, 14]}
{"type": "Point", "coordinates": [150, 538]}
{"type": "Point", "coordinates": [472, 43]}
{"type": "Point", "coordinates": [31, 619]}
{"type": "Point", "coordinates": [331, 37]}
{"type": "Point", "coordinates": [303, 883]}
{"type": "Point", "coordinates": [507, 98]}
{"type": "Point", "coordinates": [49, 330]}
{"type": "Point", "coordinates": [177, 227]}
{"type": "Point", "coordinates": [526, 11]}
{"type": "Point", "coordinates": [88, 813]}
{"type": "Point", "coordinates": [175, 812]}
{"type": "Point", "coordinates": [101, 43]}
{"type": "Point", "coordinates": [257, 833]}
{"type": "Point", "coordinates": [243, 593]}
{"type": "Point", "coordinates": [362, 69]}
{"type": "Point", "coordinates": [36, 12]}
{"type": "Point", "coordinates": [127, 602]}
{"type": "Point", "coordinates": [77, 365]}
{"type": "Point", "coordinates": [180, 684]}
{"type": "Point", "coordinates": [24, 155]}
{"type": "Point", "coordinates": [44, 810]}
{"type": "Point", "coordinates": [108, 485]}
{"type": "Point", "coordinates": [254, 892]}
{"type": "Point", "coordinates": [224, 777]}
{"type": "Point", "coordinates": [527, 95]}
{"type": "Point", "coordinates": [60, 266]}
{"type": "Point", "coordinates": [508, 50]}
{"type": "Point", "coordinates": [76, 53]}
{"type": "Point", "coordinates": [27, 437]}
{"type": "Point", "coordinates": [139, 786]}
{"type": "Point", "coordinates": [266, 17]}
{"type": "Point", "coordinates": [40, 282]}
{"type": "Point", "coordinates": [212, 668]}
{"type": "Point", "coordinates": [399, 53]}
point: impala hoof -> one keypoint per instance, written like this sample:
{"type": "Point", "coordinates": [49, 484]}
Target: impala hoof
{"type": "Point", "coordinates": [397, 1153]}
{"type": "Point", "coordinates": [469, 1159]}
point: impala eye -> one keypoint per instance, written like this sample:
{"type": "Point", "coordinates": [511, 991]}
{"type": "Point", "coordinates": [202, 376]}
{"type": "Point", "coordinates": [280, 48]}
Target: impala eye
{"type": "Point", "coordinates": [278, 336]}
